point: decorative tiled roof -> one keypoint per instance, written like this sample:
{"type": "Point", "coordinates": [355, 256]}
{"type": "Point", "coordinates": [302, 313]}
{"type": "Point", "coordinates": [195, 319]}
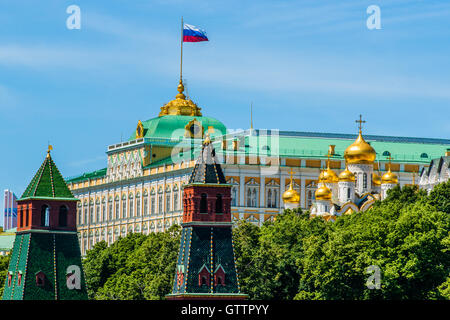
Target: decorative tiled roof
{"type": "Point", "coordinates": [47, 183]}
{"type": "Point", "coordinates": [207, 169]}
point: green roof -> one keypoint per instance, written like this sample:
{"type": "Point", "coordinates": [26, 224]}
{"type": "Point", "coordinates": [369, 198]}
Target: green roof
{"type": "Point", "coordinates": [308, 145]}
{"type": "Point", "coordinates": [173, 127]}
{"type": "Point", "coordinates": [48, 183]}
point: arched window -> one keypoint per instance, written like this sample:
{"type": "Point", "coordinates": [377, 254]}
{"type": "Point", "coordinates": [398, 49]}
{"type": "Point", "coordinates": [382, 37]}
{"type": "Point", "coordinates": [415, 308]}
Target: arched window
{"type": "Point", "coordinates": [103, 209]}
{"type": "Point", "coordinates": [348, 193]}
{"type": "Point", "coordinates": [45, 216]}
{"type": "Point", "coordinates": [91, 214]}
{"type": "Point", "coordinates": [175, 201]}
{"type": "Point", "coordinates": [85, 215]}
{"type": "Point", "coordinates": [153, 205]}
{"type": "Point", "coordinates": [249, 197]}
{"type": "Point", "coordinates": [219, 204]}
{"type": "Point", "coordinates": [131, 206]}
{"type": "Point", "coordinates": [254, 197]}
{"type": "Point", "coordinates": [204, 281]}
{"type": "Point", "coordinates": [138, 206]}
{"type": "Point", "coordinates": [110, 209]}
{"type": "Point", "coordinates": [62, 218]}
{"type": "Point", "coordinates": [168, 202]}
{"type": "Point", "coordinates": [269, 198]}
{"type": "Point", "coordinates": [117, 207]}
{"type": "Point", "coordinates": [145, 206]}
{"type": "Point", "coordinates": [124, 207]}
{"type": "Point", "coordinates": [219, 281]}
{"type": "Point", "coordinates": [97, 213]}
{"type": "Point", "coordinates": [160, 204]}
{"type": "Point", "coordinates": [204, 203]}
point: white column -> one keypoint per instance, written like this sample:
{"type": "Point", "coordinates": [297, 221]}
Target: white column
{"type": "Point", "coordinates": [241, 190]}
{"type": "Point", "coordinates": [262, 191]}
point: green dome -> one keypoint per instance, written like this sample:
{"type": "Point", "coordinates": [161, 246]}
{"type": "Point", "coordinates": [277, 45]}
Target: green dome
{"type": "Point", "coordinates": [177, 127]}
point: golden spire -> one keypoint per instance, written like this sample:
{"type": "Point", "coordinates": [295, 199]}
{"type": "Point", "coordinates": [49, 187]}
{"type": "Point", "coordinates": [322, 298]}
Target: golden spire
{"type": "Point", "coordinates": [50, 147]}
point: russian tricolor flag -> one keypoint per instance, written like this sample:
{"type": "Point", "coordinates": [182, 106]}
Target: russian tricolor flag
{"type": "Point", "coordinates": [193, 34]}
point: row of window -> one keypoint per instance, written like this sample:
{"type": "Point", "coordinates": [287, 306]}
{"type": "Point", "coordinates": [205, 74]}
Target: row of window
{"type": "Point", "coordinates": [24, 216]}
{"type": "Point", "coordinates": [117, 210]}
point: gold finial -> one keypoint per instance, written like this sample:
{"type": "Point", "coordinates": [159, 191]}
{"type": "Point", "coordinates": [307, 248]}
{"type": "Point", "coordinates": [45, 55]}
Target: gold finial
{"type": "Point", "coordinates": [50, 147]}
{"type": "Point", "coordinates": [180, 89]}
{"type": "Point", "coordinates": [360, 121]}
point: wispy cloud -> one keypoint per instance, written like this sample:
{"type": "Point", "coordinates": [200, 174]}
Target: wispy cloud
{"type": "Point", "coordinates": [84, 162]}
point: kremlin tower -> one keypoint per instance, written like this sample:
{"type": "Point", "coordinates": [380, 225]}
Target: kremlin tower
{"type": "Point", "coordinates": [45, 260]}
{"type": "Point", "coordinates": [206, 268]}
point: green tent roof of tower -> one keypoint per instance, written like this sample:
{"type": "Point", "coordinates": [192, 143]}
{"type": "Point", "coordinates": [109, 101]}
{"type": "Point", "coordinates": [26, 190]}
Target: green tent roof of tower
{"type": "Point", "coordinates": [48, 183]}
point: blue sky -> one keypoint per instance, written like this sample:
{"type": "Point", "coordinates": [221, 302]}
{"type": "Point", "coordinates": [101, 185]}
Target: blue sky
{"type": "Point", "coordinates": [306, 66]}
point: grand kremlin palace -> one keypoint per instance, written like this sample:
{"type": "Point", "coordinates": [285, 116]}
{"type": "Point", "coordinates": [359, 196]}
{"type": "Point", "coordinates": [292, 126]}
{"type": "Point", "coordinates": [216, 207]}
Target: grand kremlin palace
{"type": "Point", "coordinates": [140, 190]}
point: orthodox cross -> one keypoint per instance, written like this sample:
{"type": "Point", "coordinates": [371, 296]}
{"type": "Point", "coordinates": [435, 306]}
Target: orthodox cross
{"type": "Point", "coordinates": [390, 158]}
{"type": "Point", "coordinates": [360, 121]}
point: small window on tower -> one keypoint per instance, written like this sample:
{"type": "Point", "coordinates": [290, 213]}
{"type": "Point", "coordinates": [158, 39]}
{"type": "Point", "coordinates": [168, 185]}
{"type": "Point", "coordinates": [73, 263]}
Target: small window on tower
{"type": "Point", "coordinates": [40, 279]}
{"type": "Point", "coordinates": [204, 203]}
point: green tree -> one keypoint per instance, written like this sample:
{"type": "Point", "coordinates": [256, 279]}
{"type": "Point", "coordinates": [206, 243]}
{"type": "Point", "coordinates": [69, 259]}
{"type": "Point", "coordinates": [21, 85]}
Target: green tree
{"type": "Point", "coordinates": [404, 236]}
{"type": "Point", "coordinates": [133, 268]}
{"type": "Point", "coordinates": [4, 264]}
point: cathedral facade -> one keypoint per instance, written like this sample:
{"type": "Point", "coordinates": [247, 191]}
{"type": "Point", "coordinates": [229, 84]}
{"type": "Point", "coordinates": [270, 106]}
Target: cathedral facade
{"type": "Point", "coordinates": [140, 189]}
{"type": "Point", "coordinates": [355, 189]}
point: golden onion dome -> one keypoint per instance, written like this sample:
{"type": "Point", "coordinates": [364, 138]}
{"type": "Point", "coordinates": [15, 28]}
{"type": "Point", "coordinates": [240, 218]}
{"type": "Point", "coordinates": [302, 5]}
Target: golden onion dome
{"type": "Point", "coordinates": [328, 176]}
{"type": "Point", "coordinates": [347, 175]}
{"type": "Point", "coordinates": [376, 179]}
{"type": "Point", "coordinates": [360, 151]}
{"type": "Point", "coordinates": [180, 105]}
{"type": "Point", "coordinates": [389, 178]}
{"type": "Point", "coordinates": [323, 193]}
{"type": "Point", "coordinates": [291, 195]}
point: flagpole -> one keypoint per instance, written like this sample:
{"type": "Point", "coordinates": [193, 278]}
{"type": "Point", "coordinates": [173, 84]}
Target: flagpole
{"type": "Point", "coordinates": [181, 60]}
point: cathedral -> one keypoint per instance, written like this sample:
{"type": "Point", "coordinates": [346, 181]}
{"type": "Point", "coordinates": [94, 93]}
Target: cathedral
{"type": "Point", "coordinates": [356, 187]}
{"type": "Point", "coordinates": [140, 188]}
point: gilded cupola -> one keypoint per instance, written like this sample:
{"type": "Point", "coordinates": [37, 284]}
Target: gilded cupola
{"type": "Point", "coordinates": [389, 177]}
{"type": "Point", "coordinates": [328, 175]}
{"type": "Point", "coordinates": [360, 151]}
{"type": "Point", "coordinates": [376, 179]}
{"type": "Point", "coordinates": [291, 195]}
{"type": "Point", "coordinates": [323, 193]}
{"type": "Point", "coordinates": [347, 175]}
{"type": "Point", "coordinates": [180, 105]}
